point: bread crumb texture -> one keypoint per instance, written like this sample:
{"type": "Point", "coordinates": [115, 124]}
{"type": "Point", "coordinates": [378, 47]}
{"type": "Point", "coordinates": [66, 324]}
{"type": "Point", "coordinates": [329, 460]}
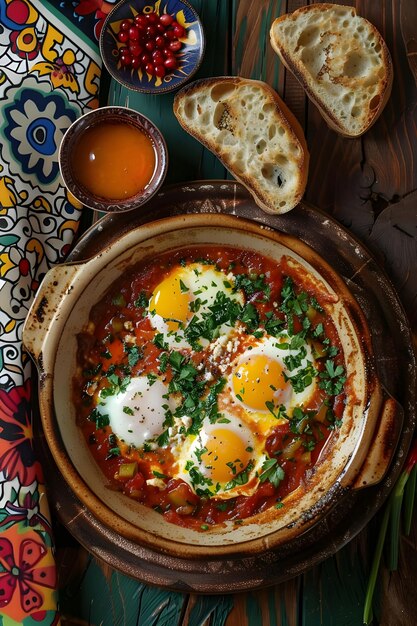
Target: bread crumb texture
{"type": "Point", "coordinates": [341, 57]}
{"type": "Point", "coordinates": [241, 122]}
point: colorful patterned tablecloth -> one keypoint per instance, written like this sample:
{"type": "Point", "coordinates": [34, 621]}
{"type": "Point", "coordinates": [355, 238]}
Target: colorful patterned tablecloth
{"type": "Point", "coordinates": [49, 75]}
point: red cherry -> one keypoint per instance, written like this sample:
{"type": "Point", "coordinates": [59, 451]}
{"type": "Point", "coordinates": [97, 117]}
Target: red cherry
{"type": "Point", "coordinates": [152, 18]}
{"type": "Point", "coordinates": [126, 60]}
{"type": "Point", "coordinates": [175, 46]}
{"type": "Point", "coordinates": [125, 25]}
{"type": "Point", "coordinates": [170, 63]}
{"type": "Point", "coordinates": [134, 33]}
{"type": "Point", "coordinates": [160, 28]}
{"type": "Point", "coordinates": [168, 53]}
{"type": "Point", "coordinates": [157, 57]}
{"type": "Point", "coordinates": [150, 45]}
{"type": "Point", "coordinates": [160, 71]}
{"type": "Point", "coordinates": [160, 41]}
{"type": "Point", "coordinates": [151, 31]}
{"type": "Point", "coordinates": [123, 51]}
{"type": "Point", "coordinates": [145, 58]}
{"type": "Point", "coordinates": [135, 49]}
{"type": "Point", "coordinates": [141, 21]}
{"type": "Point", "coordinates": [166, 19]}
{"type": "Point", "coordinates": [179, 31]}
{"type": "Point", "coordinates": [170, 35]}
{"type": "Point", "coordinates": [149, 69]}
{"type": "Point", "coordinates": [135, 63]}
{"type": "Point", "coordinates": [123, 36]}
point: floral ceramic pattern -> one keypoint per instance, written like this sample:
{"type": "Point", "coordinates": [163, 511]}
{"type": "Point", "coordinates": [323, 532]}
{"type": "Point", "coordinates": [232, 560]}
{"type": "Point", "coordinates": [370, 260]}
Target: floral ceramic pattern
{"type": "Point", "coordinates": [49, 75]}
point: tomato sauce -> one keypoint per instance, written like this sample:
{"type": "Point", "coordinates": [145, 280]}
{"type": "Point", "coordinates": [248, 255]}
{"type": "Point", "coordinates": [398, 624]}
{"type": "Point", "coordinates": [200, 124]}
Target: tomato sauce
{"type": "Point", "coordinates": [120, 341]}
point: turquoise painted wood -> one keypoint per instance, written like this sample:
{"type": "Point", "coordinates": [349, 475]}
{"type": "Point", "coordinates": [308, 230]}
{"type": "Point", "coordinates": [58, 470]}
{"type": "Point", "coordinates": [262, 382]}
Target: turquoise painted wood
{"type": "Point", "coordinates": [188, 160]}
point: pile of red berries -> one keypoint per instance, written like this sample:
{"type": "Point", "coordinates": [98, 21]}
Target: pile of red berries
{"type": "Point", "coordinates": [152, 43]}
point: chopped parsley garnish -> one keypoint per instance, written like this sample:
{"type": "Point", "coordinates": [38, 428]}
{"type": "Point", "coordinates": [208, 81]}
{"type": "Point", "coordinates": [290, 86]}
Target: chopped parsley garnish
{"type": "Point", "coordinates": [163, 439]}
{"type": "Point", "coordinates": [222, 506]}
{"type": "Point", "coordinates": [318, 331]}
{"type": "Point", "coordinates": [303, 378]}
{"type": "Point", "coordinates": [278, 412]}
{"type": "Point", "coordinates": [249, 316]}
{"type": "Point", "coordinates": [292, 361]}
{"type": "Point", "coordinates": [300, 420]}
{"type": "Point", "coordinates": [183, 287]}
{"type": "Point", "coordinates": [309, 445]}
{"type": "Point", "coordinates": [152, 378]}
{"type": "Point", "coordinates": [142, 301]}
{"type": "Point", "coordinates": [134, 354]}
{"type": "Point", "coordinates": [101, 420]}
{"type": "Point", "coordinates": [117, 385]}
{"type": "Point", "coordinates": [332, 379]}
{"type": "Point", "coordinates": [159, 342]}
{"type": "Point", "coordinates": [273, 325]}
{"type": "Point", "coordinates": [159, 475]}
{"type": "Point", "coordinates": [196, 304]}
{"type": "Point", "coordinates": [197, 478]}
{"type": "Point", "coordinates": [331, 418]}
{"type": "Point", "coordinates": [113, 452]}
{"type": "Point", "coordinates": [292, 303]}
{"type": "Point", "coordinates": [253, 284]}
{"type": "Point", "coordinates": [210, 403]}
{"type": "Point", "coordinates": [316, 305]}
{"type": "Point", "coordinates": [241, 478]}
{"type": "Point", "coordinates": [199, 453]}
{"type": "Point", "coordinates": [272, 472]}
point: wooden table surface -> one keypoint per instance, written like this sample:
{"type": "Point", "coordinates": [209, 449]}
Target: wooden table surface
{"type": "Point", "coordinates": [370, 186]}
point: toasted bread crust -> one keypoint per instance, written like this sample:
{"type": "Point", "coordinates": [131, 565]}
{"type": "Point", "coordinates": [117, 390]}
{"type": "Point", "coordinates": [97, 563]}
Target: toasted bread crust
{"type": "Point", "coordinates": [338, 49]}
{"type": "Point", "coordinates": [216, 113]}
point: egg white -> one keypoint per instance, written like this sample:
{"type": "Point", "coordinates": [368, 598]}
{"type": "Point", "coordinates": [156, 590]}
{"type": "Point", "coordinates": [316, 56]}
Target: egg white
{"type": "Point", "coordinates": [137, 414]}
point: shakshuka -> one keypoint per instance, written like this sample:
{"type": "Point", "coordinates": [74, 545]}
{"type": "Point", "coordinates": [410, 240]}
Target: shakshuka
{"type": "Point", "coordinates": [209, 381]}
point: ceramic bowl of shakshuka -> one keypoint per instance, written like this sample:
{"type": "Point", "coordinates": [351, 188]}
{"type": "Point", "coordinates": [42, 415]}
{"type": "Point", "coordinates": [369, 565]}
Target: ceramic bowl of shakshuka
{"type": "Point", "coordinates": [208, 386]}
{"type": "Point", "coordinates": [113, 159]}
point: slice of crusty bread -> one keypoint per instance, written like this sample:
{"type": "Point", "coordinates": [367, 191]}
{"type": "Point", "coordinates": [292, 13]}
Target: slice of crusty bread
{"type": "Point", "coordinates": [252, 132]}
{"type": "Point", "coordinates": [340, 59]}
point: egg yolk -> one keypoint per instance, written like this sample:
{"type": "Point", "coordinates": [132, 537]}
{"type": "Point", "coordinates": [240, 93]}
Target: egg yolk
{"type": "Point", "coordinates": [113, 160]}
{"type": "Point", "coordinates": [171, 302]}
{"type": "Point", "coordinates": [257, 380]}
{"type": "Point", "coordinates": [227, 454]}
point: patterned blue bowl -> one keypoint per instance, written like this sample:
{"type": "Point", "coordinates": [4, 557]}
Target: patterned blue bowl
{"type": "Point", "coordinates": [189, 57]}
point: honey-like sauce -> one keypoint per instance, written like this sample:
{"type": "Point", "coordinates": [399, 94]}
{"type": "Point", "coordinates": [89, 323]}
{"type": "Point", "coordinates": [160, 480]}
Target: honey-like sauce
{"type": "Point", "coordinates": [113, 160]}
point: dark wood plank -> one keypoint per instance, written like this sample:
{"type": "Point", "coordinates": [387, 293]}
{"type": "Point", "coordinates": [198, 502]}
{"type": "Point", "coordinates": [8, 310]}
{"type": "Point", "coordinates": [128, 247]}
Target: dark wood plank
{"type": "Point", "coordinates": [365, 182]}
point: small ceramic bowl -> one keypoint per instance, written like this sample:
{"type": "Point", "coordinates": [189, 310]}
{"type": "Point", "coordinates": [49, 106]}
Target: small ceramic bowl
{"type": "Point", "coordinates": [188, 58]}
{"type": "Point", "coordinates": [100, 117]}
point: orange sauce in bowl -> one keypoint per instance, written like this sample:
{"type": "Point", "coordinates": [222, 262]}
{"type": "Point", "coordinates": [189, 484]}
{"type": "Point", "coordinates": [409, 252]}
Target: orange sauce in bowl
{"type": "Point", "coordinates": [113, 160]}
